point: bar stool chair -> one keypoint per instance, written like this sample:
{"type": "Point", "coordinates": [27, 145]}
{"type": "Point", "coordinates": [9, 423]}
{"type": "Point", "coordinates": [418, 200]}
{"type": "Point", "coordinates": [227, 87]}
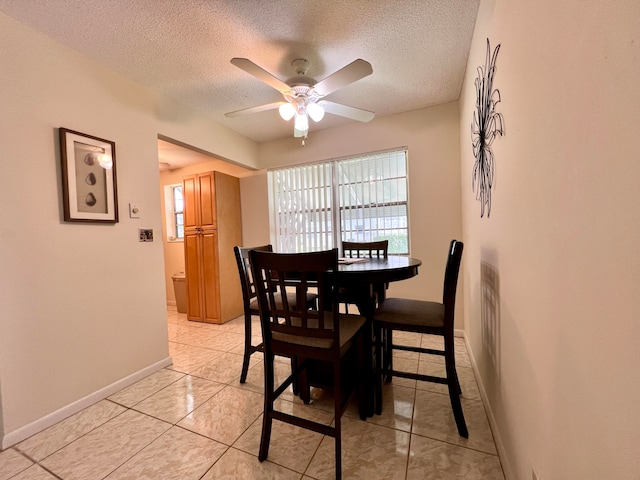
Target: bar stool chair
{"type": "Point", "coordinates": [321, 335]}
{"type": "Point", "coordinates": [250, 303]}
{"type": "Point", "coordinates": [435, 318]}
{"type": "Point", "coordinates": [378, 249]}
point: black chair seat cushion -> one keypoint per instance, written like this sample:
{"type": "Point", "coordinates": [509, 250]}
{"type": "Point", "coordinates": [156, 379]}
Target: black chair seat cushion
{"type": "Point", "coordinates": [349, 326]}
{"type": "Point", "coordinates": [406, 311]}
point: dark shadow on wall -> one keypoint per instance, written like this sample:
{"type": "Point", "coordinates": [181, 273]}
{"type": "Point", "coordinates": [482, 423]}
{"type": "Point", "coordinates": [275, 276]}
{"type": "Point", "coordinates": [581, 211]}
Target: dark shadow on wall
{"type": "Point", "coordinates": [490, 311]}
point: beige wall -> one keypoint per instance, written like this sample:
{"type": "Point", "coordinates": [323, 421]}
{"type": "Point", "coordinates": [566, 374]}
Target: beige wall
{"type": "Point", "coordinates": [83, 305]}
{"type": "Point", "coordinates": [554, 320]}
{"type": "Point", "coordinates": [255, 214]}
{"type": "Point", "coordinates": [431, 136]}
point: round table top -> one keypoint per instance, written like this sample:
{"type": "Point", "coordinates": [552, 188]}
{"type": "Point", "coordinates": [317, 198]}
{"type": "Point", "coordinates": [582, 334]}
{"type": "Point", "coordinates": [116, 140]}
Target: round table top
{"type": "Point", "coordinates": [380, 270]}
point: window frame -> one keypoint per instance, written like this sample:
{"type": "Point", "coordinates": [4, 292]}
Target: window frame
{"type": "Point", "coordinates": [171, 219]}
{"type": "Point", "coordinates": [304, 181]}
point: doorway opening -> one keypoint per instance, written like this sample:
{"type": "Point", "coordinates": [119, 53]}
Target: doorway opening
{"type": "Point", "coordinates": [175, 161]}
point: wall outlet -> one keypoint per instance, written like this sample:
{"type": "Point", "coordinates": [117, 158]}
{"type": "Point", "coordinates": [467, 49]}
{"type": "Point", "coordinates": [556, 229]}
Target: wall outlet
{"type": "Point", "coordinates": [145, 234]}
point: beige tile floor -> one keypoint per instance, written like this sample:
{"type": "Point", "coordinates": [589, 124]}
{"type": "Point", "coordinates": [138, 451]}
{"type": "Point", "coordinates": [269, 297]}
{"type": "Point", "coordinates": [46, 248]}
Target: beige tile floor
{"type": "Point", "coordinates": [194, 420]}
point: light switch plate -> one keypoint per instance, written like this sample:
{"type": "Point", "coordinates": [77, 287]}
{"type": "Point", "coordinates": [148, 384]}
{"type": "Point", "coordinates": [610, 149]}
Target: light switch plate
{"type": "Point", "coordinates": [134, 210]}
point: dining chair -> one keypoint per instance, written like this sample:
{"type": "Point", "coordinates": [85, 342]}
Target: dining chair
{"type": "Point", "coordinates": [315, 336]}
{"type": "Point", "coordinates": [250, 303]}
{"type": "Point", "coordinates": [378, 249]}
{"type": "Point", "coordinates": [426, 317]}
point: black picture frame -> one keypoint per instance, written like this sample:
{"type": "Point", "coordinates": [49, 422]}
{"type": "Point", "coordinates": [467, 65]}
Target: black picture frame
{"type": "Point", "coordinates": [89, 187]}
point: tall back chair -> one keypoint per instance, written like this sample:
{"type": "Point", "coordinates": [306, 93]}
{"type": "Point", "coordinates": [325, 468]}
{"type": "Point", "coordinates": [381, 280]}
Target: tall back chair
{"type": "Point", "coordinates": [311, 336]}
{"type": "Point", "coordinates": [250, 301]}
{"type": "Point", "coordinates": [377, 249]}
{"type": "Point", "coordinates": [421, 316]}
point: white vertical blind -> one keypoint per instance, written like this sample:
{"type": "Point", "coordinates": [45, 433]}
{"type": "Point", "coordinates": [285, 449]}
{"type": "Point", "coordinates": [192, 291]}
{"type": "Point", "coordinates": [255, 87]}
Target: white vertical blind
{"type": "Point", "coordinates": [316, 206]}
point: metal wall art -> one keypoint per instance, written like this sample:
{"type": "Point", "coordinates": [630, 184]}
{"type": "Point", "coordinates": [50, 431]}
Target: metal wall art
{"type": "Point", "coordinates": [88, 178]}
{"type": "Point", "coordinates": [486, 126]}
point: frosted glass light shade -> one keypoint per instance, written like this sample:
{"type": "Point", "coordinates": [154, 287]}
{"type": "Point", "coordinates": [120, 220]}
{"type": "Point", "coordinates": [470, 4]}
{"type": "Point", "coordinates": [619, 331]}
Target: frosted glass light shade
{"type": "Point", "coordinates": [315, 111]}
{"type": "Point", "coordinates": [287, 111]}
{"type": "Point", "coordinates": [301, 122]}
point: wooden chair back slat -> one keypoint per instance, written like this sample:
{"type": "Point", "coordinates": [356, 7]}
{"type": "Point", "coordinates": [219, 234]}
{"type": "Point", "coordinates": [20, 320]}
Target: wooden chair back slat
{"type": "Point", "coordinates": [276, 274]}
{"type": "Point", "coordinates": [377, 249]}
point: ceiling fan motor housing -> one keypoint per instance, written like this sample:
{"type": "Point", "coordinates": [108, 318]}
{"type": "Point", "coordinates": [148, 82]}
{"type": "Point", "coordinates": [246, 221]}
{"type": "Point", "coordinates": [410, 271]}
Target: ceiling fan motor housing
{"type": "Point", "coordinates": [300, 66]}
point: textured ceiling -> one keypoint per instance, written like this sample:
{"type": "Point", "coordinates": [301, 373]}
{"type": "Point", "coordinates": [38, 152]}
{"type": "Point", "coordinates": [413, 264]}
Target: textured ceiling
{"type": "Point", "coordinates": [418, 49]}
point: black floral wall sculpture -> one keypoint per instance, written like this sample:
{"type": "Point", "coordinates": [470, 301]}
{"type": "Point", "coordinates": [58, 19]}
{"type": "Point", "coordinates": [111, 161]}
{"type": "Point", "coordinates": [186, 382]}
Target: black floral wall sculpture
{"type": "Point", "coordinates": [486, 126]}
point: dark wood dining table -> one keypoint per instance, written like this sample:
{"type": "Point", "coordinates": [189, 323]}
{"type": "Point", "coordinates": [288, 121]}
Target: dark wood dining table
{"type": "Point", "coordinates": [365, 276]}
{"type": "Point", "coordinates": [390, 269]}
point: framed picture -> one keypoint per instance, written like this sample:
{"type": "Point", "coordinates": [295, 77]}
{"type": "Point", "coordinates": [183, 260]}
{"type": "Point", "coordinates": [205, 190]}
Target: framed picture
{"type": "Point", "coordinates": [89, 190]}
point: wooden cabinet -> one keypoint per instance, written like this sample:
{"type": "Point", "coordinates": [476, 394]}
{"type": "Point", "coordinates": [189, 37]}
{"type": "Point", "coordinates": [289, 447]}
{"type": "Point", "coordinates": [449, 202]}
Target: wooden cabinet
{"type": "Point", "coordinates": [212, 227]}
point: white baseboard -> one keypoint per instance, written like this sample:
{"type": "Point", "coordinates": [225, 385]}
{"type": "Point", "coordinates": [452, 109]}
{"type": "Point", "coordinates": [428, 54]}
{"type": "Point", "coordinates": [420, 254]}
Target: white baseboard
{"type": "Point", "coordinates": [25, 432]}
{"type": "Point", "coordinates": [502, 453]}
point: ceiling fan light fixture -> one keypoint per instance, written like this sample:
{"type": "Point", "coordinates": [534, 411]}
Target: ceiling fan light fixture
{"type": "Point", "coordinates": [315, 111]}
{"type": "Point", "coordinates": [303, 94]}
{"type": "Point", "coordinates": [301, 122]}
{"type": "Point", "coordinates": [287, 111]}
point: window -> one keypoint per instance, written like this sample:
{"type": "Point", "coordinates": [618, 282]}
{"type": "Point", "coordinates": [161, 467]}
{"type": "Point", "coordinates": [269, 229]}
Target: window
{"type": "Point", "coordinates": [175, 212]}
{"type": "Point", "coordinates": [365, 198]}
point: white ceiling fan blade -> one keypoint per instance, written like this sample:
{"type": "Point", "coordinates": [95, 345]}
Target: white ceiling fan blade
{"type": "Point", "coordinates": [347, 111]}
{"type": "Point", "coordinates": [261, 74]}
{"type": "Point", "coordinates": [260, 108]}
{"type": "Point", "coordinates": [351, 73]}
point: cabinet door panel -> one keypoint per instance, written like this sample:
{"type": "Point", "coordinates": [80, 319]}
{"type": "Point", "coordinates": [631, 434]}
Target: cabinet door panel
{"type": "Point", "coordinates": [191, 203]}
{"type": "Point", "coordinates": [210, 277]}
{"type": "Point", "coordinates": [206, 199]}
{"type": "Point", "coordinates": [192, 275]}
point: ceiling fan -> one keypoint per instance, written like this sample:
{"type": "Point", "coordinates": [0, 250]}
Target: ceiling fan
{"type": "Point", "coordinates": [303, 96]}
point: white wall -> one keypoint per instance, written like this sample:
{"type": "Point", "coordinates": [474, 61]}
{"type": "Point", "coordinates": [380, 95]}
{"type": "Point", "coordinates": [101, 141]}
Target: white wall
{"type": "Point", "coordinates": [255, 212]}
{"type": "Point", "coordinates": [553, 319]}
{"type": "Point", "coordinates": [431, 134]}
{"type": "Point", "coordinates": [83, 306]}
